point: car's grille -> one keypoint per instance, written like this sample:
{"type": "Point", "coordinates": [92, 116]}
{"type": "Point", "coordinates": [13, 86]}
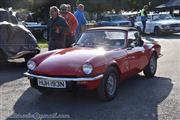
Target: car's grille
{"type": "Point", "coordinates": [175, 25]}
{"type": "Point", "coordinates": [58, 76]}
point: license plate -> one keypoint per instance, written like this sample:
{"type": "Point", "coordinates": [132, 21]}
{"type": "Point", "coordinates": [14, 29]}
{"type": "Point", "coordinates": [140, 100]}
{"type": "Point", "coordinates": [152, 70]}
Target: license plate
{"type": "Point", "coordinates": [51, 83]}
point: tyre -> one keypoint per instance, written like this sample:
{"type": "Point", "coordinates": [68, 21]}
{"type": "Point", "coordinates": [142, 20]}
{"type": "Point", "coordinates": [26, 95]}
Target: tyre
{"type": "Point", "coordinates": [109, 84]}
{"type": "Point", "coordinates": [45, 35]}
{"type": "Point", "coordinates": [150, 69]}
{"type": "Point", "coordinates": [157, 31]}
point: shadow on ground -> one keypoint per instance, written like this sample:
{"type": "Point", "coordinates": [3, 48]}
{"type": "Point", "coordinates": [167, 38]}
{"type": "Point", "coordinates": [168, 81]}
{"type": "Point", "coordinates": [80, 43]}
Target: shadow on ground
{"type": "Point", "coordinates": [151, 37]}
{"type": "Point", "coordinates": [137, 99]}
{"type": "Point", "coordinates": [11, 71]}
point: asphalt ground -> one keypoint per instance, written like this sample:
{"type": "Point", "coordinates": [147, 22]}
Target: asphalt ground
{"type": "Point", "coordinates": [138, 98]}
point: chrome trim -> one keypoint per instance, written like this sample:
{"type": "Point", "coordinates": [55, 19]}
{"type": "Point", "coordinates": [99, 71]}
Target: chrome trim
{"type": "Point", "coordinates": [64, 78]}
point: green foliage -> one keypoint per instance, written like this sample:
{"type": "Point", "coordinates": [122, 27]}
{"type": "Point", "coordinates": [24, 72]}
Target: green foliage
{"type": "Point", "coordinates": [41, 7]}
{"type": "Point", "coordinates": [42, 43]}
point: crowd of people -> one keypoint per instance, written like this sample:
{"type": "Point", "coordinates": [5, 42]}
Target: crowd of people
{"type": "Point", "coordinates": [64, 26]}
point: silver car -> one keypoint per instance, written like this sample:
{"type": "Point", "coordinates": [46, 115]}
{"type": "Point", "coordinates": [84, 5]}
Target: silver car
{"type": "Point", "coordinates": [159, 23]}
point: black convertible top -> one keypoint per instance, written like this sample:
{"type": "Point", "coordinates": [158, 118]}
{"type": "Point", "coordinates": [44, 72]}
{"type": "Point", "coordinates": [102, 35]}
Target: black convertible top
{"type": "Point", "coordinates": [15, 38]}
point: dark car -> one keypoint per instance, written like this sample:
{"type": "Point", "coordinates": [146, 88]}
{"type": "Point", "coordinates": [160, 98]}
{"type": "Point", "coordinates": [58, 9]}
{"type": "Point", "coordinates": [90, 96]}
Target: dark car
{"type": "Point", "coordinates": [36, 25]}
{"type": "Point", "coordinates": [16, 42]}
{"type": "Point", "coordinates": [39, 30]}
{"type": "Point", "coordinates": [114, 20]}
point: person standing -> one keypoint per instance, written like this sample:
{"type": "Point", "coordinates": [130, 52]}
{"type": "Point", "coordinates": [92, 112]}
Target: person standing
{"type": "Point", "coordinates": [68, 7]}
{"type": "Point", "coordinates": [79, 14]}
{"type": "Point", "coordinates": [143, 14]}
{"type": "Point", "coordinates": [56, 29]}
{"type": "Point", "coordinates": [71, 21]}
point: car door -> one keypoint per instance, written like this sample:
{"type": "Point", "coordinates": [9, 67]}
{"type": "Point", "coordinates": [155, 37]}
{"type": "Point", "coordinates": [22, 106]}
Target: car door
{"type": "Point", "coordinates": [135, 55]}
{"type": "Point", "coordinates": [152, 23]}
{"type": "Point", "coordinates": [148, 24]}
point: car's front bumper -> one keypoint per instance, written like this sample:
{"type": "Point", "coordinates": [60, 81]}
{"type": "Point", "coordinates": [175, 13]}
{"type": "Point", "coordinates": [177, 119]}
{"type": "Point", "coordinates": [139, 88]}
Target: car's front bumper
{"type": "Point", "coordinates": [171, 30]}
{"type": "Point", "coordinates": [64, 78]}
{"type": "Point", "coordinates": [89, 83]}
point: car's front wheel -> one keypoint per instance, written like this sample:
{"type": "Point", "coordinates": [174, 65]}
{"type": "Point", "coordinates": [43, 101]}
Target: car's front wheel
{"type": "Point", "coordinates": [108, 86]}
{"type": "Point", "coordinates": [157, 31]}
{"type": "Point", "coordinates": [150, 69]}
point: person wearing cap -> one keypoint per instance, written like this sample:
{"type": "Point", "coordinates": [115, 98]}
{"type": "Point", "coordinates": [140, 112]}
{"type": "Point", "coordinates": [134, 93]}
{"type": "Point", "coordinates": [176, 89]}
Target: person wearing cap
{"type": "Point", "coordinates": [79, 14]}
{"type": "Point", "coordinates": [72, 23]}
{"type": "Point", "coordinates": [143, 14]}
{"type": "Point", "coordinates": [56, 29]}
{"type": "Point", "coordinates": [68, 7]}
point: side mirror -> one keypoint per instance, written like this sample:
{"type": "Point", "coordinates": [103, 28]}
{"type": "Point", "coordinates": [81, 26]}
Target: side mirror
{"type": "Point", "coordinates": [131, 44]}
{"type": "Point", "coordinates": [141, 42]}
{"type": "Point", "coordinates": [136, 35]}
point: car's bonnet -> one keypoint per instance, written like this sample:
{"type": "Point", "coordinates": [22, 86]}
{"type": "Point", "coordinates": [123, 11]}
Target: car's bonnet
{"type": "Point", "coordinates": [68, 61]}
{"type": "Point", "coordinates": [169, 21]}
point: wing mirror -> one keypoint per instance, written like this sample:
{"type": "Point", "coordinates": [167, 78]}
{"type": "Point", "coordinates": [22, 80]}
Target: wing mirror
{"type": "Point", "coordinates": [139, 41]}
{"type": "Point", "coordinates": [136, 35]}
{"type": "Point", "coordinates": [132, 44]}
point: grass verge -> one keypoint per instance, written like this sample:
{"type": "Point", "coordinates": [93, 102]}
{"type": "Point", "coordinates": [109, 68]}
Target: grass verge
{"type": "Point", "coordinates": [42, 43]}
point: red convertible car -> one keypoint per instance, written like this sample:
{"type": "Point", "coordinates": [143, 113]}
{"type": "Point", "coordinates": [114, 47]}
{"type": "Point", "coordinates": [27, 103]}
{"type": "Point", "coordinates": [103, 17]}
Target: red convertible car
{"type": "Point", "coordinates": [99, 60]}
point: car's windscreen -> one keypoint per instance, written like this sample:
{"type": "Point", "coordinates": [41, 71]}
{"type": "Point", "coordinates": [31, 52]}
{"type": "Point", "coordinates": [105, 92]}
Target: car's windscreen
{"type": "Point", "coordinates": [104, 38]}
{"type": "Point", "coordinates": [162, 17]}
{"type": "Point", "coordinates": [106, 19]}
{"type": "Point", "coordinates": [117, 18]}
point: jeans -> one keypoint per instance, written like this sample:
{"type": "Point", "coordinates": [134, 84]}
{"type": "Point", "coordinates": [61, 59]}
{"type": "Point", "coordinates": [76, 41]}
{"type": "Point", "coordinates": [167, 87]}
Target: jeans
{"type": "Point", "coordinates": [144, 26]}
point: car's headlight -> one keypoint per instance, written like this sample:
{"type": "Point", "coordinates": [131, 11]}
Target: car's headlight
{"type": "Point", "coordinates": [87, 68]}
{"type": "Point", "coordinates": [165, 26]}
{"type": "Point", "coordinates": [31, 65]}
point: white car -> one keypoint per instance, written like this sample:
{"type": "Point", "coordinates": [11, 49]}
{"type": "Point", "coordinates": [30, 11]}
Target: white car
{"type": "Point", "coordinates": [159, 23]}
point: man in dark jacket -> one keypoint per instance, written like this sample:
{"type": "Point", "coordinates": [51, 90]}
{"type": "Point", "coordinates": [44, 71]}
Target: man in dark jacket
{"type": "Point", "coordinates": [56, 29]}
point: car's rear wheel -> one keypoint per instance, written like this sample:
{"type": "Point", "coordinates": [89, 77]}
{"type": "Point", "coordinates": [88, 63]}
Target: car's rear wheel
{"type": "Point", "coordinates": [150, 69]}
{"type": "Point", "coordinates": [108, 86]}
{"type": "Point", "coordinates": [44, 35]}
{"type": "Point", "coordinates": [139, 29]}
{"type": "Point", "coordinates": [157, 31]}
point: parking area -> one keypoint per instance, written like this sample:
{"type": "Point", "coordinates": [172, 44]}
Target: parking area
{"type": "Point", "coordinates": [138, 98]}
